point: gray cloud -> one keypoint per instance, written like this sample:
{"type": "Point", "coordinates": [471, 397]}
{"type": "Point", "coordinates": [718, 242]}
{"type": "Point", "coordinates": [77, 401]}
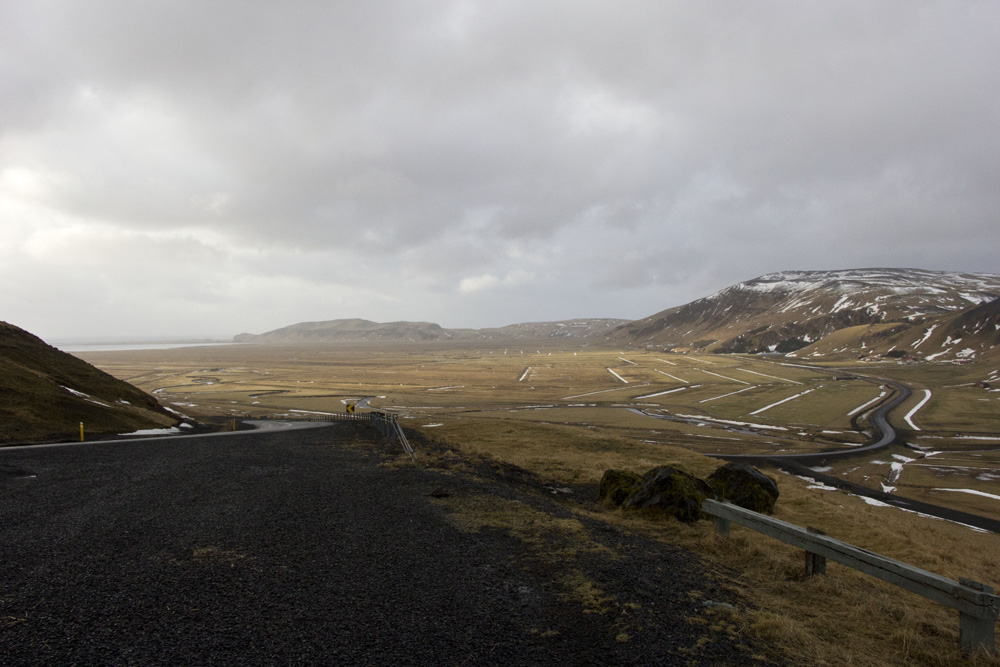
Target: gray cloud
{"type": "Point", "coordinates": [184, 168]}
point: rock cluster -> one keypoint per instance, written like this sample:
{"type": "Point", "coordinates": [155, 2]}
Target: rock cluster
{"type": "Point", "coordinates": [744, 485]}
{"type": "Point", "coordinates": [670, 491]}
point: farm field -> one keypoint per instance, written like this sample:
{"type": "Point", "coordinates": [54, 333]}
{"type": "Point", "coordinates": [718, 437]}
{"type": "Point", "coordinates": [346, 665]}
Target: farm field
{"type": "Point", "coordinates": [709, 404]}
{"type": "Point", "coordinates": [713, 405]}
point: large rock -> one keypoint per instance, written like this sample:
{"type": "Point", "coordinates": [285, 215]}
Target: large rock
{"type": "Point", "coordinates": [617, 486]}
{"type": "Point", "coordinates": [670, 491]}
{"type": "Point", "coordinates": [744, 485]}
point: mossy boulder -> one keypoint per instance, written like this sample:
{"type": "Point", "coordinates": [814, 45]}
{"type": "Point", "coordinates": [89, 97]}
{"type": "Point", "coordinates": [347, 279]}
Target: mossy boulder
{"type": "Point", "coordinates": [744, 485]}
{"type": "Point", "coordinates": [617, 486]}
{"type": "Point", "coordinates": [670, 491]}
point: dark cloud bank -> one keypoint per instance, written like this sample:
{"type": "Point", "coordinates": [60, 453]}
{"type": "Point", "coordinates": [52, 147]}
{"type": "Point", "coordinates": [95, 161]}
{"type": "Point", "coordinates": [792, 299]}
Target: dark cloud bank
{"type": "Point", "coordinates": [201, 168]}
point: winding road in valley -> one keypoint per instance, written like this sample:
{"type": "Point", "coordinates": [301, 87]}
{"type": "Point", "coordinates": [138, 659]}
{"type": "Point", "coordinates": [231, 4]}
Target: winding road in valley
{"type": "Point", "coordinates": [798, 464]}
{"type": "Point", "coordinates": [884, 436]}
{"type": "Point", "coordinates": [879, 421]}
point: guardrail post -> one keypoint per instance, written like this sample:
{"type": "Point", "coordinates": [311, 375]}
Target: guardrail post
{"type": "Point", "coordinates": [721, 526]}
{"type": "Point", "coordinates": [976, 604]}
{"type": "Point", "coordinates": [815, 564]}
{"type": "Point", "coordinates": [976, 633]}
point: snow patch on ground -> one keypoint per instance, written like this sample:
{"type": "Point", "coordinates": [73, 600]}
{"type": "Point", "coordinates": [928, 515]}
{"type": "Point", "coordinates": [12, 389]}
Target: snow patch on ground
{"type": "Point", "coordinates": [715, 398]}
{"type": "Point", "coordinates": [591, 393]}
{"type": "Point", "coordinates": [713, 420]}
{"type": "Point", "coordinates": [862, 407]}
{"type": "Point", "coordinates": [616, 375]}
{"type": "Point", "coordinates": [86, 397]}
{"type": "Point", "coordinates": [661, 393]}
{"type": "Point", "coordinates": [927, 397]}
{"type": "Point", "coordinates": [927, 335]}
{"type": "Point", "coordinates": [872, 501]}
{"type": "Point", "coordinates": [773, 377]}
{"type": "Point", "coordinates": [173, 430]}
{"type": "Point", "coordinates": [816, 485]}
{"type": "Point", "coordinates": [721, 376]}
{"type": "Point", "coordinates": [973, 492]}
{"type": "Point", "coordinates": [785, 400]}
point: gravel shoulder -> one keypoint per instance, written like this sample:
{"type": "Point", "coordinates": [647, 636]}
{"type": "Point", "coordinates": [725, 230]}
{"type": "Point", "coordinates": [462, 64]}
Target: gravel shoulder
{"type": "Point", "coordinates": [323, 546]}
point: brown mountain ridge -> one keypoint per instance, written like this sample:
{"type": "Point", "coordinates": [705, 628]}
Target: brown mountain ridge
{"type": "Point", "coordinates": [365, 331]}
{"type": "Point", "coordinates": [850, 312]}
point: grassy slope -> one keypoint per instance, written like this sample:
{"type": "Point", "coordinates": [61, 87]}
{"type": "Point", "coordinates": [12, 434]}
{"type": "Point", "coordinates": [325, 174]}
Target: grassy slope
{"type": "Point", "coordinates": [36, 406]}
{"type": "Point", "coordinates": [844, 618]}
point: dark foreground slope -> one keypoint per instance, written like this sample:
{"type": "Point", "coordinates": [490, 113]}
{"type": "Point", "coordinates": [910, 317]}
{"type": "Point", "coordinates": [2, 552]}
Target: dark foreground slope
{"type": "Point", "coordinates": [45, 393]}
{"type": "Point", "coordinates": [298, 547]}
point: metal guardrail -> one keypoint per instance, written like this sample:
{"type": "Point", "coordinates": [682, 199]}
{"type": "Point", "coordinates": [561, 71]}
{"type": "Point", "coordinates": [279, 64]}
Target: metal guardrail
{"type": "Point", "coordinates": [387, 424]}
{"type": "Point", "coordinates": [978, 608]}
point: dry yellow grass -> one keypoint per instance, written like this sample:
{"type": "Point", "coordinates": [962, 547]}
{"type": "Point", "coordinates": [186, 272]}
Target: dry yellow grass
{"type": "Point", "coordinates": [844, 618]}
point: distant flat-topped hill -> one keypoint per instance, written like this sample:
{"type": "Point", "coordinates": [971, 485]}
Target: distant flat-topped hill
{"type": "Point", "coordinates": [364, 331]}
{"type": "Point", "coordinates": [45, 394]}
{"type": "Point", "coordinates": [932, 314]}
{"type": "Point", "coordinates": [859, 312]}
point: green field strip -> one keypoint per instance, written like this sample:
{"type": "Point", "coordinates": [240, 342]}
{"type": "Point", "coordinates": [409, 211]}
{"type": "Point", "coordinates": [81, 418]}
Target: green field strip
{"type": "Point", "coordinates": [961, 408]}
{"type": "Point", "coordinates": [827, 407]}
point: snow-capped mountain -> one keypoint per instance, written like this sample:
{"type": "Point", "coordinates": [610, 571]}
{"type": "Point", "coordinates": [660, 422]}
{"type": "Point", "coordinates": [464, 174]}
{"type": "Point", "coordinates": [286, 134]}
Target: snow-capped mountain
{"type": "Point", "coordinates": [789, 310]}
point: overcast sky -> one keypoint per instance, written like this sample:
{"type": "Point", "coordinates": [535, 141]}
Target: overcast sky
{"type": "Point", "coordinates": [207, 168]}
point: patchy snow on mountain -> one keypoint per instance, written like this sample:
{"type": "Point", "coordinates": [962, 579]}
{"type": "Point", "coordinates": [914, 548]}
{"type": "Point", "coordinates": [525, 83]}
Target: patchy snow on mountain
{"type": "Point", "coordinates": [784, 311]}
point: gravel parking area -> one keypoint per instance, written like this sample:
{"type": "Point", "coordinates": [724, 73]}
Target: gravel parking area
{"type": "Point", "coordinates": [299, 547]}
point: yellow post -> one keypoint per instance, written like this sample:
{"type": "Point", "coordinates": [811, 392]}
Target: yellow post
{"type": "Point", "coordinates": [234, 423]}
{"type": "Point", "coordinates": [81, 431]}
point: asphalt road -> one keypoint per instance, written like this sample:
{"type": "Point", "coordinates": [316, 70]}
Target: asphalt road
{"type": "Point", "coordinates": [799, 464]}
{"type": "Point", "coordinates": [879, 421]}
{"type": "Point", "coordinates": [296, 546]}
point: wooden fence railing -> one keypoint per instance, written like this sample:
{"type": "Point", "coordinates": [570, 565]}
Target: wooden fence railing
{"type": "Point", "coordinates": [977, 607]}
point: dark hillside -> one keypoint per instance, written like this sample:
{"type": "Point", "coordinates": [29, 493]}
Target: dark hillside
{"type": "Point", "coordinates": [45, 394]}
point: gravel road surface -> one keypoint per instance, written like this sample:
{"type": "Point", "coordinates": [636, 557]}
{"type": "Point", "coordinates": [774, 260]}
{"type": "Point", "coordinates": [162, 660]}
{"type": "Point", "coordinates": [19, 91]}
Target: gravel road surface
{"type": "Point", "coordinates": [319, 547]}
